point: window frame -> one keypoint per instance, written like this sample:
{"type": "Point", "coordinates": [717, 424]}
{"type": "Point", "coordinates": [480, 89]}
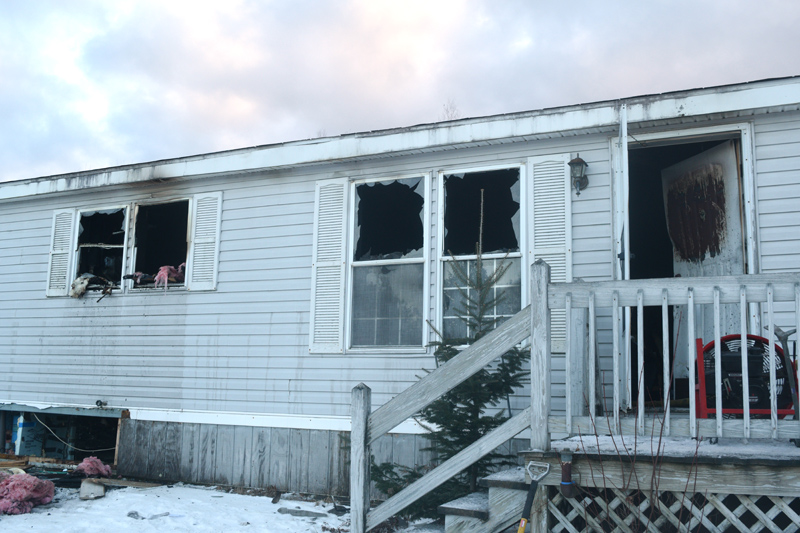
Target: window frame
{"type": "Point", "coordinates": [76, 247]}
{"type": "Point", "coordinates": [424, 260]}
{"type": "Point", "coordinates": [441, 255]}
{"type": "Point", "coordinates": [129, 286]}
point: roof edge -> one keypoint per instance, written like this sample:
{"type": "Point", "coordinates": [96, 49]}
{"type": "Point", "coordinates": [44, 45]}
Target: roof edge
{"type": "Point", "coordinates": [576, 118]}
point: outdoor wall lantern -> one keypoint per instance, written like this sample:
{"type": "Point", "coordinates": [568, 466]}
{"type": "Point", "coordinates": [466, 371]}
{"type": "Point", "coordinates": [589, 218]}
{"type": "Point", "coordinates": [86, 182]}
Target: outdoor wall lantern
{"type": "Point", "coordinates": [577, 171]}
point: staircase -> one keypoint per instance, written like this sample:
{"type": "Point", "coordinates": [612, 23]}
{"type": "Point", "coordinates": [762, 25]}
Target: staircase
{"type": "Point", "coordinates": [489, 512]}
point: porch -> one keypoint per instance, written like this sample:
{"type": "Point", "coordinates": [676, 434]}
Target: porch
{"type": "Point", "coordinates": [619, 489]}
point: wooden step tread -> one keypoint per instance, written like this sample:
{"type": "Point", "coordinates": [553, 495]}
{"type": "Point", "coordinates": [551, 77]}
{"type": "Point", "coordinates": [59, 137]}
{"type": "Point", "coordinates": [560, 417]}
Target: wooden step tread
{"type": "Point", "coordinates": [513, 478]}
{"type": "Point", "coordinates": [475, 505]}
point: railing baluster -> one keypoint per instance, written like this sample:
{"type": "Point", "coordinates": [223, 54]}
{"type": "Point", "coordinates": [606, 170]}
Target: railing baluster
{"type": "Point", "coordinates": [773, 399]}
{"type": "Point", "coordinates": [615, 357]}
{"type": "Point", "coordinates": [592, 359]}
{"type": "Point", "coordinates": [692, 363]}
{"type": "Point", "coordinates": [665, 346]}
{"type": "Point", "coordinates": [717, 363]}
{"type": "Point", "coordinates": [568, 361]}
{"type": "Point", "coordinates": [640, 359]}
{"type": "Point", "coordinates": [745, 368]}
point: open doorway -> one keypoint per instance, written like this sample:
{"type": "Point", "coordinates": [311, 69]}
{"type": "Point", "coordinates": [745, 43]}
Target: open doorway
{"type": "Point", "coordinates": [685, 220]}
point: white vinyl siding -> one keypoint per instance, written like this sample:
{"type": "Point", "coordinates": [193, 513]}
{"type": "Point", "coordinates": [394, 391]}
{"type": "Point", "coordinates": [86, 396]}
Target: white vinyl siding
{"type": "Point", "coordinates": [245, 346]}
{"type": "Point", "coordinates": [777, 178]}
{"type": "Point", "coordinates": [328, 267]}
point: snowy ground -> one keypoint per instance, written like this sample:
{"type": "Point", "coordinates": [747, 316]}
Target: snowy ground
{"type": "Point", "coordinates": [178, 507]}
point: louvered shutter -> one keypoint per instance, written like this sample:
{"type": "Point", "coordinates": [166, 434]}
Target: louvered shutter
{"type": "Point", "coordinates": [62, 247]}
{"type": "Point", "coordinates": [328, 269]}
{"type": "Point", "coordinates": [204, 246]}
{"type": "Point", "coordinates": [552, 229]}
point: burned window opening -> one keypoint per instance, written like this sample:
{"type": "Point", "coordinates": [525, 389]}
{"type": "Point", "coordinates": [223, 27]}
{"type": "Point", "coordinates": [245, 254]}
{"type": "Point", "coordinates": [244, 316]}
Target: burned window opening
{"type": "Point", "coordinates": [161, 243]}
{"type": "Point", "coordinates": [101, 243]}
{"type": "Point", "coordinates": [462, 211]}
{"type": "Point", "coordinates": [387, 268]}
{"type": "Point", "coordinates": [500, 191]}
{"type": "Point", "coordinates": [389, 220]}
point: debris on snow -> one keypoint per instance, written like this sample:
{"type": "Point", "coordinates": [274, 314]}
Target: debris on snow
{"type": "Point", "coordinates": [92, 466]}
{"type": "Point", "coordinates": [301, 512]}
{"type": "Point", "coordinates": [22, 492]}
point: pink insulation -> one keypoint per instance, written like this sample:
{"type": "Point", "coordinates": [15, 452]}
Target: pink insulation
{"type": "Point", "coordinates": [92, 466]}
{"type": "Point", "coordinates": [22, 492]}
{"type": "Point", "coordinates": [164, 273]}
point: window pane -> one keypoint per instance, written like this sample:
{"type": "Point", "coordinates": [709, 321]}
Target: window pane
{"type": "Point", "coordinates": [501, 302]}
{"type": "Point", "coordinates": [102, 227]}
{"type": "Point", "coordinates": [462, 213]}
{"type": "Point", "coordinates": [102, 262]}
{"type": "Point", "coordinates": [387, 305]}
{"type": "Point", "coordinates": [389, 219]}
{"type": "Point", "coordinates": [101, 237]}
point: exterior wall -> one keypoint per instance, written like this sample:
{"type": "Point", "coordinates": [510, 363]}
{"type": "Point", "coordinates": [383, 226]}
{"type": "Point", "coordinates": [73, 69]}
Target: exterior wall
{"type": "Point", "coordinates": [297, 460]}
{"type": "Point", "coordinates": [777, 177]}
{"type": "Point", "coordinates": [244, 347]}
{"type": "Point", "coordinates": [242, 350]}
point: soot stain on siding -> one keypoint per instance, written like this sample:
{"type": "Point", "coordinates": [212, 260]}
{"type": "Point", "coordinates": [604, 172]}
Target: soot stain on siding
{"type": "Point", "coordinates": [696, 212]}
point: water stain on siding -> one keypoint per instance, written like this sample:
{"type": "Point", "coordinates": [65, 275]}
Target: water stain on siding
{"type": "Point", "coordinates": [696, 212]}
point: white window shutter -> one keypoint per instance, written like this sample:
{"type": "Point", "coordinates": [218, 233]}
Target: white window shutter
{"type": "Point", "coordinates": [203, 262]}
{"type": "Point", "coordinates": [552, 229]}
{"type": "Point", "coordinates": [62, 249]}
{"type": "Point", "coordinates": [328, 268]}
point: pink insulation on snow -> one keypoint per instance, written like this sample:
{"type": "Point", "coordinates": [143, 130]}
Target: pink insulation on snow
{"type": "Point", "coordinates": [22, 492]}
{"type": "Point", "coordinates": [92, 466]}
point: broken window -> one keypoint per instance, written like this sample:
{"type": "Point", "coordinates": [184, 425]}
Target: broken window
{"type": "Point", "coordinates": [101, 244]}
{"type": "Point", "coordinates": [161, 234]}
{"type": "Point", "coordinates": [387, 265]}
{"type": "Point", "coordinates": [496, 193]}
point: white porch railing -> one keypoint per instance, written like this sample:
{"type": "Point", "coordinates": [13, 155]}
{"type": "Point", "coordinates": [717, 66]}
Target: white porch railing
{"type": "Point", "coordinates": [765, 290]}
{"type": "Point", "coordinates": [534, 322]}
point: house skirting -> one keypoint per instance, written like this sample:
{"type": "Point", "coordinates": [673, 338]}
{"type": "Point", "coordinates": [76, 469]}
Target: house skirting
{"type": "Point", "coordinates": [299, 460]}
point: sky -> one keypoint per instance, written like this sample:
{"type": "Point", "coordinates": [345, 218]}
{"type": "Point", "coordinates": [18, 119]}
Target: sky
{"type": "Point", "coordinates": [88, 84]}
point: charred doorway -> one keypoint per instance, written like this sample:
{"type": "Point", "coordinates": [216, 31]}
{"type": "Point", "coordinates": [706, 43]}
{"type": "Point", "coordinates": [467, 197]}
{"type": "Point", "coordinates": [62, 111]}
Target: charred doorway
{"type": "Point", "coordinates": [680, 225]}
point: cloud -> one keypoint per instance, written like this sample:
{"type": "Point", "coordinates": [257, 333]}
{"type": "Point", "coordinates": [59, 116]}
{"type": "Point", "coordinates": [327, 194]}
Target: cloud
{"type": "Point", "coordinates": [93, 83]}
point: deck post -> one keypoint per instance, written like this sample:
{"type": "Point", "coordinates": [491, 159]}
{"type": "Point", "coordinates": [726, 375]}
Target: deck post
{"type": "Point", "coordinates": [540, 381]}
{"type": "Point", "coordinates": [360, 407]}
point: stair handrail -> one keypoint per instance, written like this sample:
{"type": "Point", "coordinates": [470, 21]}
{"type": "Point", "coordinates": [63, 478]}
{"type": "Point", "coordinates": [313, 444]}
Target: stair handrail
{"type": "Point", "coordinates": [367, 428]}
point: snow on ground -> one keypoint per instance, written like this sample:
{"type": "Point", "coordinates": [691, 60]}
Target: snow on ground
{"type": "Point", "coordinates": [174, 508]}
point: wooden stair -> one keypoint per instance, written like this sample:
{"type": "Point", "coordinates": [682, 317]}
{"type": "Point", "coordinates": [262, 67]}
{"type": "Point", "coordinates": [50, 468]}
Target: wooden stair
{"type": "Point", "coordinates": [489, 512]}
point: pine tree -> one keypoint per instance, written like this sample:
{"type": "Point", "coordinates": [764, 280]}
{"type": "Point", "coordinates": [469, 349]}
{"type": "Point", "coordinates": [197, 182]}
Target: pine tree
{"type": "Point", "coordinates": [460, 417]}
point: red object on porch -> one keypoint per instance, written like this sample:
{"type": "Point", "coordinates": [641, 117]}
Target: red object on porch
{"type": "Point", "coordinates": [758, 373]}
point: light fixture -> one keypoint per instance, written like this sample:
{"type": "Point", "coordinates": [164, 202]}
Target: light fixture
{"type": "Point", "coordinates": [577, 172]}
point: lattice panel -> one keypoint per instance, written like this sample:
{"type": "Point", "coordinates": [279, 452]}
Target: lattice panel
{"type": "Point", "coordinates": [612, 510]}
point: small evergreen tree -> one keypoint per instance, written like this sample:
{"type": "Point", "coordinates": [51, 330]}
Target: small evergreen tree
{"type": "Point", "coordinates": [459, 417]}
